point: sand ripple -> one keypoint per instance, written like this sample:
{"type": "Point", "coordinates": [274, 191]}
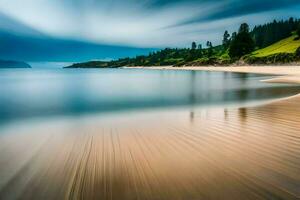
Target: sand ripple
{"type": "Point", "coordinates": [236, 153]}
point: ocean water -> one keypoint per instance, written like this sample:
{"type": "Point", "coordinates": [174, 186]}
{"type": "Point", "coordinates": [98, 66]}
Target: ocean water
{"type": "Point", "coordinates": [34, 93]}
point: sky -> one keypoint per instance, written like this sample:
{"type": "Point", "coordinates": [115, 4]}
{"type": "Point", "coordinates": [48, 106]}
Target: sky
{"type": "Point", "coordinates": [138, 23]}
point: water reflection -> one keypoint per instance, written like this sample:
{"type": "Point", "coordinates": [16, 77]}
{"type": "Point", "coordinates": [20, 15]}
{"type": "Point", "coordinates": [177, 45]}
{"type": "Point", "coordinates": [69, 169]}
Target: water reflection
{"type": "Point", "coordinates": [225, 114]}
{"type": "Point", "coordinates": [36, 93]}
{"type": "Point", "coordinates": [242, 113]}
{"type": "Point", "coordinates": [192, 116]}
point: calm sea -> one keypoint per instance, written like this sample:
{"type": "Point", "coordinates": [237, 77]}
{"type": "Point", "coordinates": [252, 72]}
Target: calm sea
{"type": "Point", "coordinates": [29, 93]}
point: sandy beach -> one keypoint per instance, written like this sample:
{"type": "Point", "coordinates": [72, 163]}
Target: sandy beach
{"type": "Point", "coordinates": [208, 153]}
{"type": "Point", "coordinates": [274, 70]}
{"type": "Point", "coordinates": [288, 74]}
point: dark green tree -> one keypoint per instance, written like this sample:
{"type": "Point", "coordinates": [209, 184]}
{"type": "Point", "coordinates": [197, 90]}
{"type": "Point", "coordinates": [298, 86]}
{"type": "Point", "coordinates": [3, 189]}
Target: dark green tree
{"type": "Point", "coordinates": [209, 44]}
{"type": "Point", "coordinates": [298, 30]}
{"type": "Point", "coordinates": [233, 36]}
{"type": "Point", "coordinates": [242, 44]}
{"type": "Point", "coordinates": [244, 28]}
{"type": "Point", "coordinates": [226, 39]}
{"type": "Point", "coordinates": [200, 46]}
{"type": "Point", "coordinates": [194, 45]}
{"type": "Point", "coordinates": [297, 53]}
{"type": "Point", "coordinates": [267, 34]}
{"type": "Point", "coordinates": [210, 48]}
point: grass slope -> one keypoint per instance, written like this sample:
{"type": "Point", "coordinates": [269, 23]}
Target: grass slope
{"type": "Point", "coordinates": [288, 45]}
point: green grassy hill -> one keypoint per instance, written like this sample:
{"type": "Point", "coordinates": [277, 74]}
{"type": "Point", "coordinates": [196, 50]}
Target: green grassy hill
{"type": "Point", "coordinates": [282, 52]}
{"type": "Point", "coordinates": [288, 45]}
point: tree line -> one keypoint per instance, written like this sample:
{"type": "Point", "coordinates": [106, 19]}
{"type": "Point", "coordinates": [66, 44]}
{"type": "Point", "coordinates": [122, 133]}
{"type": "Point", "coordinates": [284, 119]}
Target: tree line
{"type": "Point", "coordinates": [245, 41]}
{"type": "Point", "coordinates": [267, 34]}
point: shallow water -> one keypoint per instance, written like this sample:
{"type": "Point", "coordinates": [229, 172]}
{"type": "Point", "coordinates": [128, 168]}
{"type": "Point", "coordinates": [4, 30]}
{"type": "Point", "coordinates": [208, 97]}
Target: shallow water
{"type": "Point", "coordinates": [27, 93]}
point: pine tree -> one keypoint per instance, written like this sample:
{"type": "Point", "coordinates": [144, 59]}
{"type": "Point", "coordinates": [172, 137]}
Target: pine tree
{"type": "Point", "coordinates": [244, 28]}
{"type": "Point", "coordinates": [226, 39]}
{"type": "Point", "coordinates": [267, 34]}
{"type": "Point", "coordinates": [242, 43]}
{"type": "Point", "coordinates": [210, 46]}
{"type": "Point", "coordinates": [194, 45]}
{"type": "Point", "coordinates": [233, 36]}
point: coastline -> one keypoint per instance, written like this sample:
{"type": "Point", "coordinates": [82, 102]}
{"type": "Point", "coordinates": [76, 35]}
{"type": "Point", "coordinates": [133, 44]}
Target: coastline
{"type": "Point", "coordinates": [285, 74]}
{"type": "Point", "coordinates": [272, 70]}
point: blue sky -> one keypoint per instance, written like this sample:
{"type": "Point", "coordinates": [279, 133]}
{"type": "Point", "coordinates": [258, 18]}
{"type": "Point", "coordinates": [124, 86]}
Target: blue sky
{"type": "Point", "coordinates": [138, 23]}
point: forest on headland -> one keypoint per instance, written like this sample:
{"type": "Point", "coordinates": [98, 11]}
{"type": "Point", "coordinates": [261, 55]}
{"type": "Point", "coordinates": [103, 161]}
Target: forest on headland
{"type": "Point", "coordinates": [277, 42]}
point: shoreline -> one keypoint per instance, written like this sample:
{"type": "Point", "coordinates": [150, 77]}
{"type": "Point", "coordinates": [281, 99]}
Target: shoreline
{"type": "Point", "coordinates": [286, 74]}
{"type": "Point", "coordinates": [268, 69]}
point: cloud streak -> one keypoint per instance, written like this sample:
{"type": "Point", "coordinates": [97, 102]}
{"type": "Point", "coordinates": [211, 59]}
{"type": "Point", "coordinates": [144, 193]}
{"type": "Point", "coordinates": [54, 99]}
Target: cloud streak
{"type": "Point", "coordinates": [149, 23]}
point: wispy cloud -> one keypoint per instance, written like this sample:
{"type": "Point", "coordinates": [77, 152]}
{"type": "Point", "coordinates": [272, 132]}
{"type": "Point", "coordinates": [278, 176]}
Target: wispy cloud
{"type": "Point", "coordinates": [149, 23]}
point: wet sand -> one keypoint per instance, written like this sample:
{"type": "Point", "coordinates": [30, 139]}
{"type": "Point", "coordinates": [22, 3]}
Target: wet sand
{"type": "Point", "coordinates": [212, 153]}
{"type": "Point", "coordinates": [273, 70]}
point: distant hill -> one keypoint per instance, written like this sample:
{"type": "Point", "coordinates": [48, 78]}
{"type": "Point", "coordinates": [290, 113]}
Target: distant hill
{"type": "Point", "coordinates": [91, 64]}
{"type": "Point", "coordinates": [13, 64]}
